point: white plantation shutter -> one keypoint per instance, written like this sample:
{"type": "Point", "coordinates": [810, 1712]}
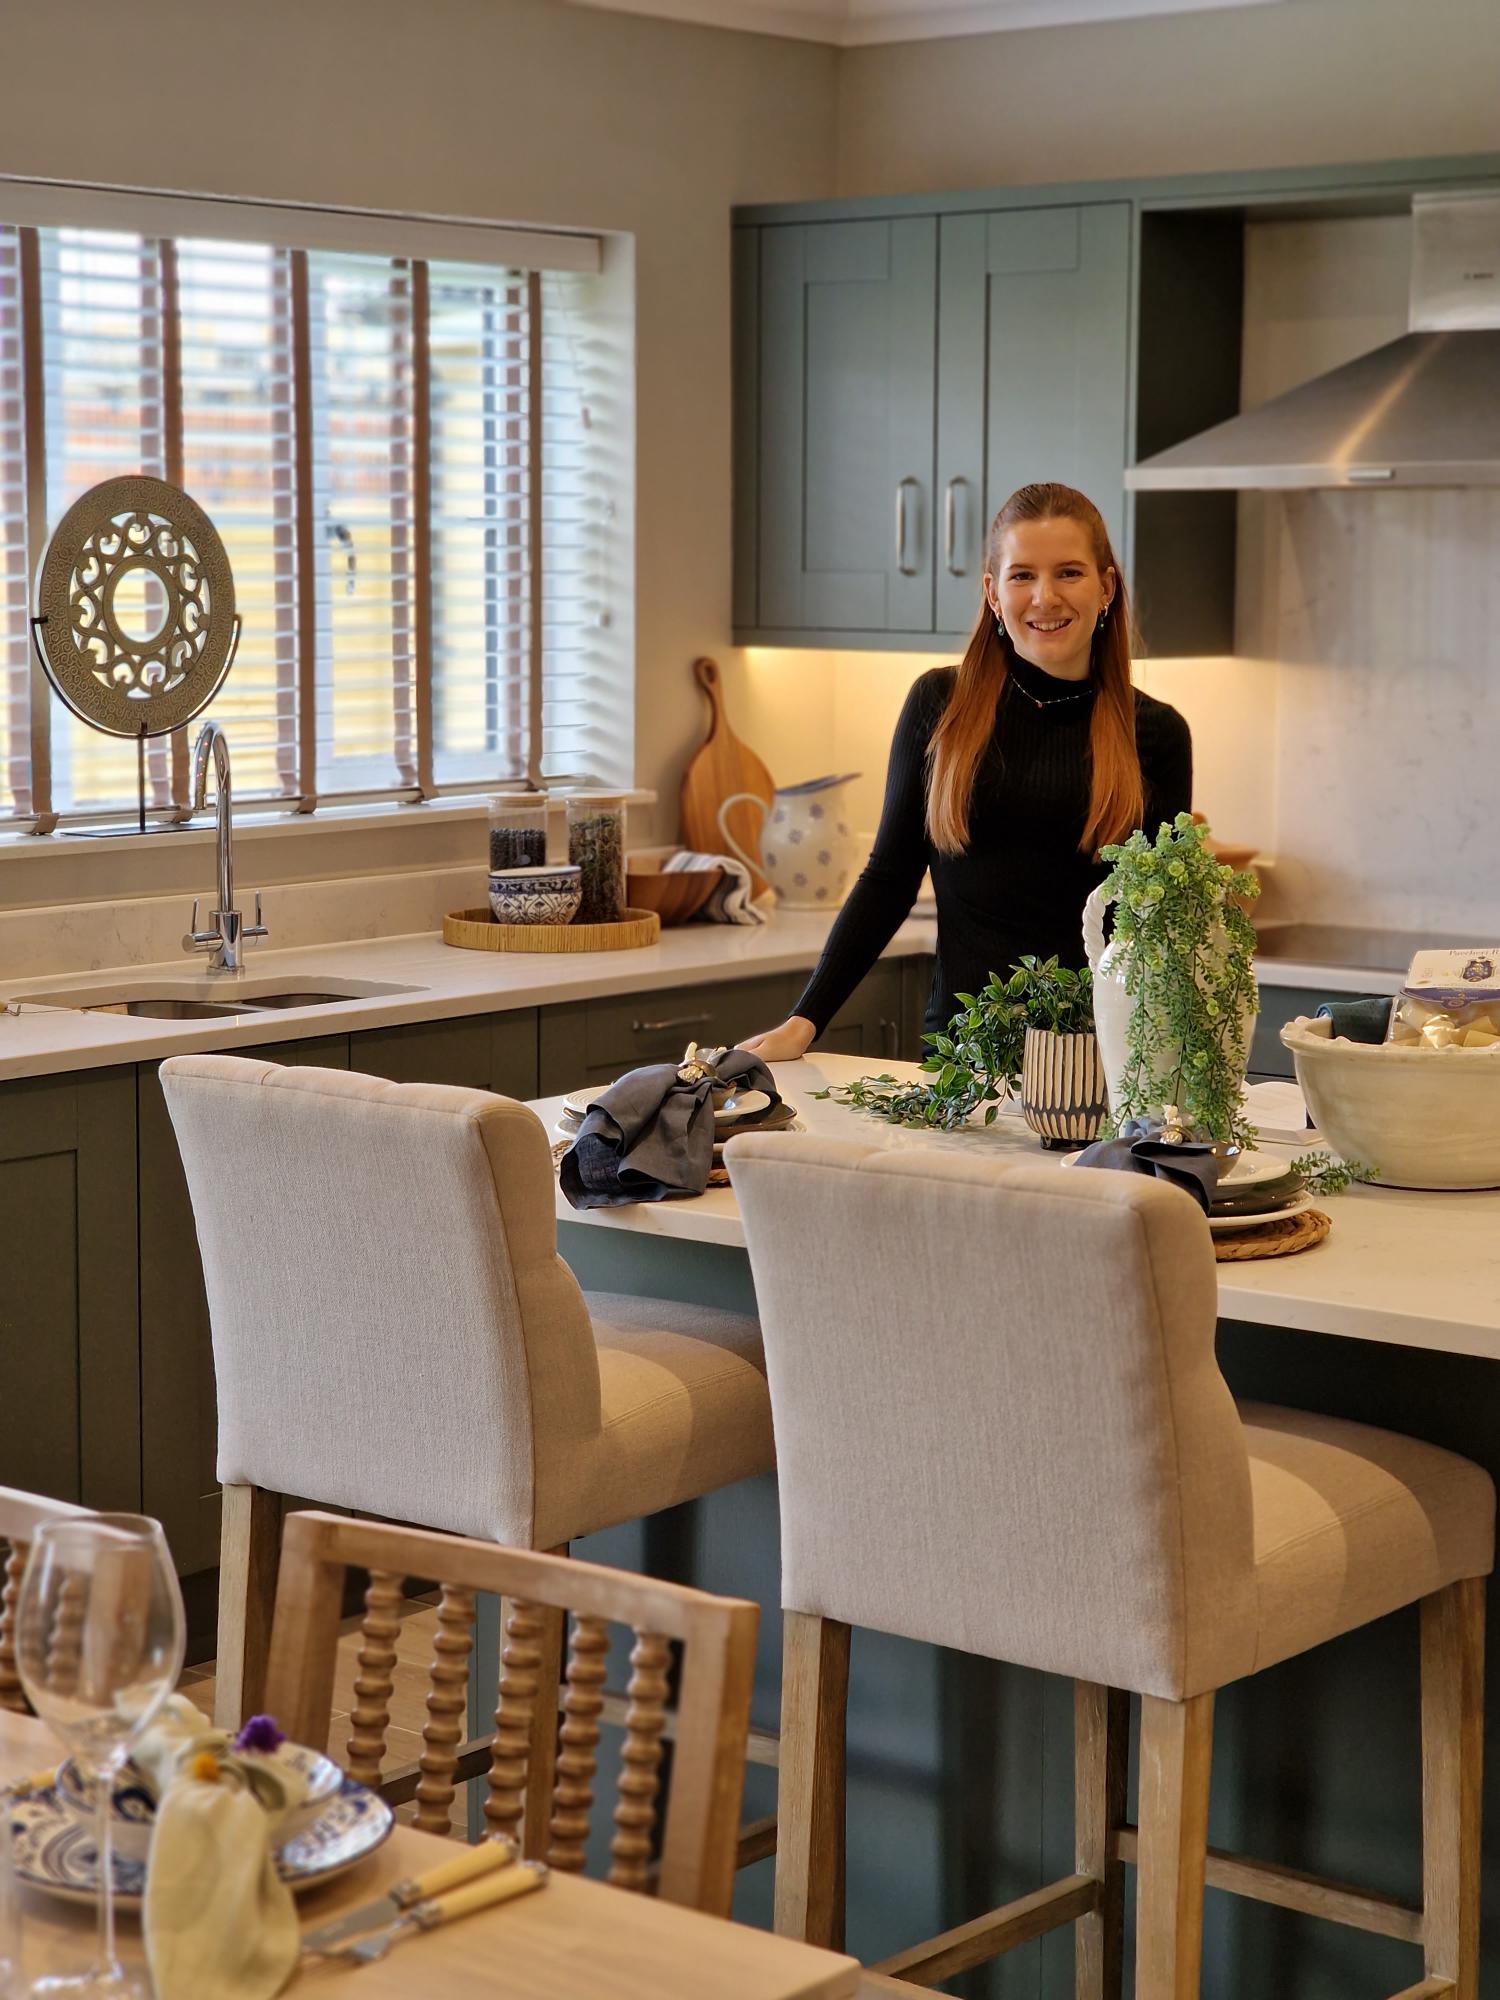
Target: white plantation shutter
{"type": "Point", "coordinates": [15, 648]}
{"type": "Point", "coordinates": [103, 382]}
{"type": "Point", "coordinates": [479, 340]}
{"type": "Point", "coordinates": [361, 457]}
{"type": "Point", "coordinates": [587, 686]}
{"type": "Point", "coordinates": [238, 462]}
{"type": "Point", "coordinates": [411, 461]}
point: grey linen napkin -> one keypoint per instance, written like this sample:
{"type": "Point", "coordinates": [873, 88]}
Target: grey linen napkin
{"type": "Point", "coordinates": [650, 1137]}
{"type": "Point", "coordinates": [1358, 1020]}
{"type": "Point", "coordinates": [1140, 1149]}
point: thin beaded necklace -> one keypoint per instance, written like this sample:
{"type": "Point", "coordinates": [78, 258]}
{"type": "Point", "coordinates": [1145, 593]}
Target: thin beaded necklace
{"type": "Point", "coordinates": [1048, 701]}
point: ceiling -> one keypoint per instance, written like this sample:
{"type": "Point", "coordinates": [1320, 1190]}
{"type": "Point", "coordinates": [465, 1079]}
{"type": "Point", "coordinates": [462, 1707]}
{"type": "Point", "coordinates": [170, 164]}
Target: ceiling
{"type": "Point", "coordinates": [855, 23]}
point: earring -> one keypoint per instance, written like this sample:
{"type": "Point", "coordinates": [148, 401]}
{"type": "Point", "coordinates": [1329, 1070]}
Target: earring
{"type": "Point", "coordinates": [999, 622]}
{"type": "Point", "coordinates": [1099, 622]}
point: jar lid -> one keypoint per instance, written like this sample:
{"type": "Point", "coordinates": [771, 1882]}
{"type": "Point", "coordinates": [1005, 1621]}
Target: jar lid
{"type": "Point", "coordinates": [600, 800]}
{"type": "Point", "coordinates": [509, 801]}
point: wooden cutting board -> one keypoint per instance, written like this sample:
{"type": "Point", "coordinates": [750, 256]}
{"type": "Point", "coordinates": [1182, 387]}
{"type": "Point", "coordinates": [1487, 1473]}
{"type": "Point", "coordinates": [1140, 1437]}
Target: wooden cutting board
{"type": "Point", "coordinates": [721, 768]}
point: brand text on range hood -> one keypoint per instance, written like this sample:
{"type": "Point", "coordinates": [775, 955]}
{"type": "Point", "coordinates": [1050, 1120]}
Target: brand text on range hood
{"type": "Point", "coordinates": [1423, 410]}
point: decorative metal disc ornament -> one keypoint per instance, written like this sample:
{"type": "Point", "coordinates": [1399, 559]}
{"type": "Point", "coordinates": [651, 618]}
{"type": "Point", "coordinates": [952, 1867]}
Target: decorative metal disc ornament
{"type": "Point", "coordinates": [152, 541]}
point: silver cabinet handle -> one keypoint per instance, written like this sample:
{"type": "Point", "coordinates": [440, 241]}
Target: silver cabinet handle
{"type": "Point", "coordinates": [677, 1021]}
{"type": "Point", "coordinates": [906, 569]}
{"type": "Point", "coordinates": [889, 1038]}
{"type": "Point", "coordinates": [950, 526]}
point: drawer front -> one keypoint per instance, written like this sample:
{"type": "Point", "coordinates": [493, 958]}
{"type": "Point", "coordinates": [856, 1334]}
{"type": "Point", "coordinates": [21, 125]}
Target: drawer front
{"type": "Point", "coordinates": [655, 1027]}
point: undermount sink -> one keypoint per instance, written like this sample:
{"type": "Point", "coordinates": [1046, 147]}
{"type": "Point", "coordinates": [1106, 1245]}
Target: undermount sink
{"type": "Point", "coordinates": [202, 1001]}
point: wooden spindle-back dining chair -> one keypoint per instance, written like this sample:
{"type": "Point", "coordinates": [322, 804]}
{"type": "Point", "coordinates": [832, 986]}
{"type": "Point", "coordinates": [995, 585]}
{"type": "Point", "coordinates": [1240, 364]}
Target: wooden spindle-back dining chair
{"type": "Point", "coordinates": [710, 1722]}
{"type": "Point", "coordinates": [21, 1514]}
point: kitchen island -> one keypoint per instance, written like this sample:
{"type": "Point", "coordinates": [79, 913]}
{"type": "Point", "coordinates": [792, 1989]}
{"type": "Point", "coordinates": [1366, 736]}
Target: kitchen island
{"type": "Point", "coordinates": [960, 1769]}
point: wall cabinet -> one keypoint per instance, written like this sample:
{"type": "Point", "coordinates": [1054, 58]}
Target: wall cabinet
{"type": "Point", "coordinates": [903, 363]}
{"type": "Point", "coordinates": [1033, 374]}
{"type": "Point", "coordinates": [847, 337]}
{"type": "Point", "coordinates": [907, 375]}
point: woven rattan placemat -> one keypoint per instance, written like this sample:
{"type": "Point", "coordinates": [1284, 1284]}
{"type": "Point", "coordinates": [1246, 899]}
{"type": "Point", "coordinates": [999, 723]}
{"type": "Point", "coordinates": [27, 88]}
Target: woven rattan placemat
{"type": "Point", "coordinates": [1283, 1237]}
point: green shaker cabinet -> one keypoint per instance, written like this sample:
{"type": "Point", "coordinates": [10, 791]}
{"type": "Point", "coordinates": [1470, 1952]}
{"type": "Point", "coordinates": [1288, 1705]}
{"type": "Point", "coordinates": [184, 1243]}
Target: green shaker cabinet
{"type": "Point", "coordinates": [847, 339]}
{"type": "Point", "coordinates": [1033, 374]}
{"type": "Point", "coordinates": [70, 1405]}
{"type": "Point", "coordinates": [896, 379]}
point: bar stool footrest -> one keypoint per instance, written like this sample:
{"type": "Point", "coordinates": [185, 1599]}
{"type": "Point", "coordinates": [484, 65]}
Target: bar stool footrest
{"type": "Point", "coordinates": [1017, 1923]}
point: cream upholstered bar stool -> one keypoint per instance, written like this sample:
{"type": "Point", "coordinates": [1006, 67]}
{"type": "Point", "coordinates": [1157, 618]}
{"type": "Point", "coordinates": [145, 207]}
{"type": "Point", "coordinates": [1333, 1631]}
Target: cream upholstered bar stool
{"type": "Point", "coordinates": [1001, 1426]}
{"type": "Point", "coordinates": [395, 1333]}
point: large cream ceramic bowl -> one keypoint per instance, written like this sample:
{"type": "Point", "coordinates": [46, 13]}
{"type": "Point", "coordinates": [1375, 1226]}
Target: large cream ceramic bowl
{"type": "Point", "coordinates": [1422, 1118]}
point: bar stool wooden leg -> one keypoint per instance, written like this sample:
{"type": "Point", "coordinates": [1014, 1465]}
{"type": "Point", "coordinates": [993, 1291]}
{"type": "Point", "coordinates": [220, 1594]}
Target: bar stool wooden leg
{"type": "Point", "coordinates": [1101, 1726]}
{"type": "Point", "coordinates": [249, 1556]}
{"type": "Point", "coordinates": [1176, 1758]}
{"type": "Point", "coordinates": [810, 1794]}
{"type": "Point", "coordinates": [1452, 1769]}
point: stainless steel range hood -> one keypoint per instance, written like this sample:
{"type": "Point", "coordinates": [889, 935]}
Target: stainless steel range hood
{"type": "Point", "coordinates": [1423, 410]}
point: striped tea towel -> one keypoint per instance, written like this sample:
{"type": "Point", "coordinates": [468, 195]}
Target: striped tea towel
{"type": "Point", "coordinates": [730, 902]}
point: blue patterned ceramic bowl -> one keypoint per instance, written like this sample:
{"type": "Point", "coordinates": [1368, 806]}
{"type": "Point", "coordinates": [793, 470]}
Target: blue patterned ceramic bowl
{"type": "Point", "coordinates": [536, 895]}
{"type": "Point", "coordinates": [135, 1808]}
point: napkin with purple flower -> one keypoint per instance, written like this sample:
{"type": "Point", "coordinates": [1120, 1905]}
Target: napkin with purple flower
{"type": "Point", "coordinates": [219, 1922]}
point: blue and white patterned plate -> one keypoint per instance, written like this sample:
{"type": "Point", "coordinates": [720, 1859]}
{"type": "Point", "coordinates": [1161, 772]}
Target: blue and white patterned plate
{"type": "Point", "coordinates": [56, 1851]}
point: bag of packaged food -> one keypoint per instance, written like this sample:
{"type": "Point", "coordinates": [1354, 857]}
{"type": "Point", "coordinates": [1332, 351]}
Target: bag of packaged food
{"type": "Point", "coordinates": [1451, 1000]}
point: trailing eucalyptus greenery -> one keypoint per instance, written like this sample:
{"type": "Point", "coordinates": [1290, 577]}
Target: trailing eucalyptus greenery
{"type": "Point", "coordinates": [1188, 955]}
{"type": "Point", "coordinates": [1323, 1174]}
{"type": "Point", "coordinates": [977, 1061]}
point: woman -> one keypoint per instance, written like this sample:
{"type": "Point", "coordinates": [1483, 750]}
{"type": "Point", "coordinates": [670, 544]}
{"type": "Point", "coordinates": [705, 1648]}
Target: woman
{"type": "Point", "coordinates": [1009, 772]}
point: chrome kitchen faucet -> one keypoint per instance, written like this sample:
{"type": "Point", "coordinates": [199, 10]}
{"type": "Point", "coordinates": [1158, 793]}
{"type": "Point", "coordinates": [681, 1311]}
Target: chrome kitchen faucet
{"type": "Point", "coordinates": [227, 939]}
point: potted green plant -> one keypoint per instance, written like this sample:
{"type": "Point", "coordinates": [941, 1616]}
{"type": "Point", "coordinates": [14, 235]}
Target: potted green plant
{"type": "Point", "coordinates": [1031, 1029]}
{"type": "Point", "coordinates": [1063, 1095]}
{"type": "Point", "coordinates": [1174, 990]}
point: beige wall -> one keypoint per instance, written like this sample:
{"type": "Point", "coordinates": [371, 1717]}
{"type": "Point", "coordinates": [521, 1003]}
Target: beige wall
{"type": "Point", "coordinates": [524, 110]}
{"type": "Point", "coordinates": [1288, 85]}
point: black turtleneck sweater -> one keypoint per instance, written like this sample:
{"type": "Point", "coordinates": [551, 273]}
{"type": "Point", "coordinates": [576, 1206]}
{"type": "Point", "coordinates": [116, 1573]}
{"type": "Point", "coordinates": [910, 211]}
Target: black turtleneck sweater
{"type": "Point", "coordinates": [1021, 883]}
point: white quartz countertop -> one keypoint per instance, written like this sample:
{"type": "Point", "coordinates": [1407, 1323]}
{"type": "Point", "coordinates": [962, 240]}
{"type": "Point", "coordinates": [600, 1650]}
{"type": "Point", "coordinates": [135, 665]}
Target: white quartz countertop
{"type": "Point", "coordinates": [1411, 1269]}
{"type": "Point", "coordinates": [437, 982]}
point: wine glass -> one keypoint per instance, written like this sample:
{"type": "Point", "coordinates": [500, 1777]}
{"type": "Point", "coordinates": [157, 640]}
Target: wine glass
{"type": "Point", "coordinates": [99, 1645]}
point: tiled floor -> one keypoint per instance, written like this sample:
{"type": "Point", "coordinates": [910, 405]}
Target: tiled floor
{"type": "Point", "coordinates": [408, 1697]}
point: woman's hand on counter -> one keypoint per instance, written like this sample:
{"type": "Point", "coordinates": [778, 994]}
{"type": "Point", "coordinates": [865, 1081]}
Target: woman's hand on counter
{"type": "Point", "coordinates": [788, 1043]}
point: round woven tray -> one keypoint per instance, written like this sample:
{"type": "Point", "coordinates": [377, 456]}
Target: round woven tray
{"type": "Point", "coordinates": [476, 930]}
{"type": "Point", "coordinates": [1283, 1237]}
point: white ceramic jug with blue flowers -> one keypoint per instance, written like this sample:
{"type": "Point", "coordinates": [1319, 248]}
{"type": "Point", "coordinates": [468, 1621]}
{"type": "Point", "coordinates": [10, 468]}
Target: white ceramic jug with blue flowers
{"type": "Point", "coordinates": [806, 848]}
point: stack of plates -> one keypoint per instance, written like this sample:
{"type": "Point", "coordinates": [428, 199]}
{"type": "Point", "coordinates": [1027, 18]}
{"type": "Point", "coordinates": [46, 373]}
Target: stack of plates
{"type": "Point", "coordinates": [1256, 1189]}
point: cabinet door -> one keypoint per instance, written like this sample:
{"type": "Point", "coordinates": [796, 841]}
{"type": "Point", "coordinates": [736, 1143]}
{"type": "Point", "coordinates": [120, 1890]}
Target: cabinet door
{"type": "Point", "coordinates": [869, 1023]}
{"type": "Point", "coordinates": [179, 1408]}
{"type": "Point", "coordinates": [848, 321]}
{"type": "Point", "coordinates": [1033, 369]}
{"type": "Point", "coordinates": [595, 1041]}
{"type": "Point", "coordinates": [69, 1324]}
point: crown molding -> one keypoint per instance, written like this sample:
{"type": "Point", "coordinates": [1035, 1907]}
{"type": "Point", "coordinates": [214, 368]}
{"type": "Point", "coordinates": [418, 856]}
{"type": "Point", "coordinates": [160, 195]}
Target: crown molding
{"type": "Point", "coordinates": [860, 23]}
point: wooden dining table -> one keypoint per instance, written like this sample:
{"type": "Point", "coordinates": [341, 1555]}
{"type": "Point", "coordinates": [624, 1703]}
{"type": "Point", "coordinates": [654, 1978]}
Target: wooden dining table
{"type": "Point", "coordinates": [575, 1938]}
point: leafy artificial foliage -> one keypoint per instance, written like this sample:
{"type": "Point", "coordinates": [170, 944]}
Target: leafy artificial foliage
{"type": "Point", "coordinates": [978, 1060]}
{"type": "Point", "coordinates": [1323, 1174]}
{"type": "Point", "coordinates": [1188, 953]}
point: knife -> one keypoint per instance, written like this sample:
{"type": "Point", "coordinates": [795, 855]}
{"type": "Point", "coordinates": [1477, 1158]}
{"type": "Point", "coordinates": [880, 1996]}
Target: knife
{"type": "Point", "coordinates": [499, 1887]}
{"type": "Point", "coordinates": [464, 1867]}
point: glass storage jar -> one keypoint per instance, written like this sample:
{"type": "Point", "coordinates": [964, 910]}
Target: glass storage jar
{"type": "Point", "coordinates": [518, 830]}
{"type": "Point", "coordinates": [596, 843]}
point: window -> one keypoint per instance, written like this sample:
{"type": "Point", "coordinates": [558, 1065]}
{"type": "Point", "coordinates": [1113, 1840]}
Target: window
{"type": "Point", "coordinates": [413, 461]}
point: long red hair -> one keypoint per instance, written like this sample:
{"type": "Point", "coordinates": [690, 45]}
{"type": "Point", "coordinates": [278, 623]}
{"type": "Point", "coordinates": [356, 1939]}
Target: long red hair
{"type": "Point", "coordinates": [1116, 794]}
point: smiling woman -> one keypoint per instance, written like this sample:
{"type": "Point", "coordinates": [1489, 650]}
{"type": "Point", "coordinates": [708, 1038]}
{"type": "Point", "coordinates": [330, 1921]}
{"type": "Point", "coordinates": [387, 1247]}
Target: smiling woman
{"type": "Point", "coordinates": [1010, 771]}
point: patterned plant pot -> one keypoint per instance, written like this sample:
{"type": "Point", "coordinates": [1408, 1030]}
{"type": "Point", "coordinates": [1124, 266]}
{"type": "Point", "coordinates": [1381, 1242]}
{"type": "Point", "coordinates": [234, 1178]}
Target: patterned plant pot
{"type": "Point", "coordinates": [1063, 1096]}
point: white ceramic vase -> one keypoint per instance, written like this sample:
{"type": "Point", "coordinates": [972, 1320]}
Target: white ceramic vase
{"type": "Point", "coordinates": [1113, 1005]}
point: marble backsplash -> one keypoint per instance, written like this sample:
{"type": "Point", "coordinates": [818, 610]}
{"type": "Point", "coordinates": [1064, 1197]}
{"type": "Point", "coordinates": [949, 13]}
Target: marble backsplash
{"type": "Point", "coordinates": [1378, 614]}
